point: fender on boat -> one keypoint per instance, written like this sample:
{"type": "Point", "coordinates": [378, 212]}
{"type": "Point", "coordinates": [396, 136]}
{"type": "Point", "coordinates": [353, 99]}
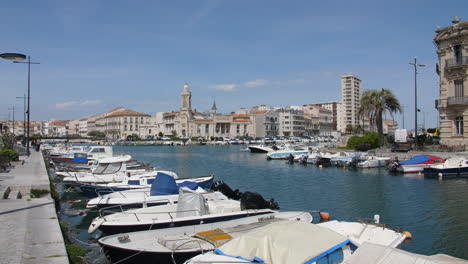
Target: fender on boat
{"type": "Point", "coordinates": [95, 224]}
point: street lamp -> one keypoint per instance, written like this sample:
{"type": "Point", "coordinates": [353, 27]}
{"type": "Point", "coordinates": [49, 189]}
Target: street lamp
{"type": "Point", "coordinates": [416, 65]}
{"type": "Point", "coordinates": [24, 111]}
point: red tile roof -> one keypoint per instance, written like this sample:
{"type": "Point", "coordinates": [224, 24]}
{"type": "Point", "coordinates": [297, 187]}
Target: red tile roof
{"type": "Point", "coordinates": [241, 115]}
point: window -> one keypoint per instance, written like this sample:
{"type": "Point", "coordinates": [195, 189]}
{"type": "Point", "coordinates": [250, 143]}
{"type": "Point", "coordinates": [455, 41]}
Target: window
{"type": "Point", "coordinates": [458, 88]}
{"type": "Point", "coordinates": [458, 54]}
{"type": "Point", "coordinates": [125, 128]}
{"type": "Point", "coordinates": [131, 127]}
{"type": "Point", "coordinates": [207, 129]}
{"type": "Point", "coordinates": [245, 129]}
{"type": "Point", "coordinates": [125, 120]}
{"type": "Point", "coordinates": [198, 129]}
{"type": "Point", "coordinates": [149, 132]}
{"type": "Point", "coordinates": [141, 120]}
{"type": "Point", "coordinates": [238, 129]}
{"type": "Point", "coordinates": [459, 125]}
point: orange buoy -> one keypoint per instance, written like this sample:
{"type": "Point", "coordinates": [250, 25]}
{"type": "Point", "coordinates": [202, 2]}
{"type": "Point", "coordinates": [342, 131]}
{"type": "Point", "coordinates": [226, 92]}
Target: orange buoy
{"type": "Point", "coordinates": [324, 216]}
{"type": "Point", "coordinates": [408, 235]}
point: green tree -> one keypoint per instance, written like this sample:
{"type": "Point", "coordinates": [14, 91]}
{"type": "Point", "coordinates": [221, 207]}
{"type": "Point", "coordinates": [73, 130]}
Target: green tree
{"type": "Point", "coordinates": [161, 134]}
{"type": "Point", "coordinates": [374, 103]}
{"type": "Point", "coordinates": [97, 134]}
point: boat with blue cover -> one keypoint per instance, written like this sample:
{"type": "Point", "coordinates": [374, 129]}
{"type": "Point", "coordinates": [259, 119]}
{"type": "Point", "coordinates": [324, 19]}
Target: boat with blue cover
{"type": "Point", "coordinates": [145, 197]}
{"type": "Point", "coordinates": [144, 182]}
{"type": "Point", "coordinates": [416, 164]}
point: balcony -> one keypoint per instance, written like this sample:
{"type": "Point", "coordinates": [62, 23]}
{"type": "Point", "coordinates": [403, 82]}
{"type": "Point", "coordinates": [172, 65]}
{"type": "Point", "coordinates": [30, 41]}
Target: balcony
{"type": "Point", "coordinates": [457, 100]}
{"type": "Point", "coordinates": [461, 61]}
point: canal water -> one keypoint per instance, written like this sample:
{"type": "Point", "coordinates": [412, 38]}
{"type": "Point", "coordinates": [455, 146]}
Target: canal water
{"type": "Point", "coordinates": [435, 212]}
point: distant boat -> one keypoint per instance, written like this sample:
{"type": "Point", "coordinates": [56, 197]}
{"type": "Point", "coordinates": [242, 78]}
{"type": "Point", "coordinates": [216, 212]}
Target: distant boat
{"type": "Point", "coordinates": [374, 162]}
{"type": "Point", "coordinates": [453, 167]}
{"type": "Point", "coordinates": [416, 164]}
{"type": "Point", "coordinates": [285, 153]}
{"type": "Point", "coordinates": [261, 149]}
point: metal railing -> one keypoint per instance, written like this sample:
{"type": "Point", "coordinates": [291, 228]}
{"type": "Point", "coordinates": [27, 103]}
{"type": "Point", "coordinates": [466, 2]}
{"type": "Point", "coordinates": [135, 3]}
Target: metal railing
{"type": "Point", "coordinates": [457, 100]}
{"type": "Point", "coordinates": [456, 62]}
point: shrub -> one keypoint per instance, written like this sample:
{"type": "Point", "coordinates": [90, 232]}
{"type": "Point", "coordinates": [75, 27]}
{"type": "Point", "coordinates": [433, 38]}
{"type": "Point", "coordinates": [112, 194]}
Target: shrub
{"type": "Point", "coordinates": [37, 193]}
{"type": "Point", "coordinates": [75, 253]}
{"type": "Point", "coordinates": [364, 143]}
{"type": "Point", "coordinates": [12, 155]}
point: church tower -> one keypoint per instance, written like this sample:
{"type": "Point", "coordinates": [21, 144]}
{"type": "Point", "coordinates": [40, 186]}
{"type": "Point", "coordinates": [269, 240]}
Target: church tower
{"type": "Point", "coordinates": [185, 114]}
{"type": "Point", "coordinates": [186, 99]}
{"type": "Point", "coordinates": [213, 108]}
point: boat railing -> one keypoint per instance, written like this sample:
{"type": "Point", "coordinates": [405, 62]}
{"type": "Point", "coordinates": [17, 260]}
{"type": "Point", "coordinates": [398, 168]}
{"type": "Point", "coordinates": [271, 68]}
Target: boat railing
{"type": "Point", "coordinates": [120, 208]}
{"type": "Point", "coordinates": [169, 213]}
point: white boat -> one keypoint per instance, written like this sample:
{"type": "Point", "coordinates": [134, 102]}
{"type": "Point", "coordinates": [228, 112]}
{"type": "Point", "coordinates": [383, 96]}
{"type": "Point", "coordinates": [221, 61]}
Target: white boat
{"type": "Point", "coordinates": [182, 243]}
{"type": "Point", "coordinates": [149, 191]}
{"type": "Point", "coordinates": [112, 169]}
{"type": "Point", "coordinates": [81, 154]}
{"type": "Point", "coordinates": [452, 167]}
{"type": "Point", "coordinates": [260, 149]}
{"type": "Point", "coordinates": [370, 253]}
{"type": "Point", "coordinates": [329, 242]}
{"type": "Point", "coordinates": [287, 152]}
{"type": "Point", "coordinates": [191, 208]}
{"type": "Point", "coordinates": [282, 242]}
{"type": "Point", "coordinates": [373, 162]}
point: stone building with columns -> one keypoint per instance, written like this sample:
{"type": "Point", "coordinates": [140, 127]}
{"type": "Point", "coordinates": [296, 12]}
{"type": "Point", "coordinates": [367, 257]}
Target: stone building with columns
{"type": "Point", "coordinates": [187, 122]}
{"type": "Point", "coordinates": [452, 68]}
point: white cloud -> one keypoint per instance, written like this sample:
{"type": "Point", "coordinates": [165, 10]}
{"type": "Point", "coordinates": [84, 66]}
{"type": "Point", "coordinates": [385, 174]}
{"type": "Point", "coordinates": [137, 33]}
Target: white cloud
{"type": "Point", "coordinates": [224, 87]}
{"type": "Point", "coordinates": [256, 83]}
{"type": "Point", "coordinates": [76, 103]}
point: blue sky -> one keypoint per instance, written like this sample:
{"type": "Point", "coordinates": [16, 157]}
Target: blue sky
{"type": "Point", "coordinates": [98, 55]}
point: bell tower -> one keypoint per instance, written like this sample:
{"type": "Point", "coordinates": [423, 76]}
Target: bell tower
{"type": "Point", "coordinates": [186, 99]}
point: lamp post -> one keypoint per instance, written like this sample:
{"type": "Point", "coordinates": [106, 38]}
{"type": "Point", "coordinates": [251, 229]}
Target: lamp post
{"type": "Point", "coordinates": [29, 101]}
{"type": "Point", "coordinates": [24, 112]}
{"type": "Point", "coordinates": [416, 65]}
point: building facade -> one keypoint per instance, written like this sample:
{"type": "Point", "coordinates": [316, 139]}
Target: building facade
{"type": "Point", "coordinates": [350, 102]}
{"type": "Point", "coordinates": [334, 107]}
{"type": "Point", "coordinates": [452, 51]}
{"type": "Point", "coordinates": [291, 122]}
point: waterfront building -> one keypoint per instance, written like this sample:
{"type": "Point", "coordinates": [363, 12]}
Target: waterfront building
{"type": "Point", "coordinates": [73, 127]}
{"type": "Point", "coordinates": [389, 127]}
{"type": "Point", "coordinates": [291, 122]}
{"type": "Point", "coordinates": [334, 107]}
{"type": "Point", "coordinates": [265, 123]}
{"type": "Point", "coordinates": [55, 128]}
{"type": "Point", "coordinates": [350, 103]}
{"type": "Point", "coordinates": [452, 68]}
{"type": "Point", "coordinates": [190, 123]}
{"type": "Point", "coordinates": [320, 118]}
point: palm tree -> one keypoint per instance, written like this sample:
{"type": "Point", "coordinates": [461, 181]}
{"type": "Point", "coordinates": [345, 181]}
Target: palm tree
{"type": "Point", "coordinates": [374, 103]}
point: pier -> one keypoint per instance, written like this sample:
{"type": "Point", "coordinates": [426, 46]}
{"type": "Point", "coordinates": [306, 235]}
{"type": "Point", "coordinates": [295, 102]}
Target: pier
{"type": "Point", "coordinates": [30, 227]}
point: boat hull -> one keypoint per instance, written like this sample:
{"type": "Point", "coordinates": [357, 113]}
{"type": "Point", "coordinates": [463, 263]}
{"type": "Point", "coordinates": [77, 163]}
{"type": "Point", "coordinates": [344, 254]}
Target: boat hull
{"type": "Point", "coordinates": [446, 172]}
{"type": "Point", "coordinates": [117, 229]}
{"type": "Point", "coordinates": [128, 256]}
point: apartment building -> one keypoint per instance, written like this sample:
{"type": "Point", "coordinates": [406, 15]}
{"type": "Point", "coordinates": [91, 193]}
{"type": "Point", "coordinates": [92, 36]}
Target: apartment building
{"type": "Point", "coordinates": [452, 68]}
{"type": "Point", "coordinates": [350, 102]}
{"type": "Point", "coordinates": [291, 122]}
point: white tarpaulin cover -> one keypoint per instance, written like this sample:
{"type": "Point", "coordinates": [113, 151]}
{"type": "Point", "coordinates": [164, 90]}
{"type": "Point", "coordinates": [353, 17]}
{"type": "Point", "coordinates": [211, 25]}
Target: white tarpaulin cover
{"type": "Point", "coordinates": [283, 242]}
{"type": "Point", "coordinates": [370, 253]}
{"type": "Point", "coordinates": [190, 203]}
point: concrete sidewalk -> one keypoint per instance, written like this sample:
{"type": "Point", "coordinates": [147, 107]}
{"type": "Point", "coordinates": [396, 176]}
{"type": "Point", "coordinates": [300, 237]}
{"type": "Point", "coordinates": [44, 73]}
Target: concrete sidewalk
{"type": "Point", "coordinates": [30, 232]}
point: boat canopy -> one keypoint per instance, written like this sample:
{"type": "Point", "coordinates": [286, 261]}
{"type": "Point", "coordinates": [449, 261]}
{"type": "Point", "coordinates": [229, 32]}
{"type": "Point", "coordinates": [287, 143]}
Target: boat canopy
{"type": "Point", "coordinates": [286, 242]}
{"type": "Point", "coordinates": [164, 184]}
{"type": "Point", "coordinates": [370, 253]}
{"type": "Point", "coordinates": [190, 203]}
{"type": "Point", "coordinates": [421, 159]}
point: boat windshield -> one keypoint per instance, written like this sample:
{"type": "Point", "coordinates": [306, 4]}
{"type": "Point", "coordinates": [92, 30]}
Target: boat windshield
{"type": "Point", "coordinates": [108, 168]}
